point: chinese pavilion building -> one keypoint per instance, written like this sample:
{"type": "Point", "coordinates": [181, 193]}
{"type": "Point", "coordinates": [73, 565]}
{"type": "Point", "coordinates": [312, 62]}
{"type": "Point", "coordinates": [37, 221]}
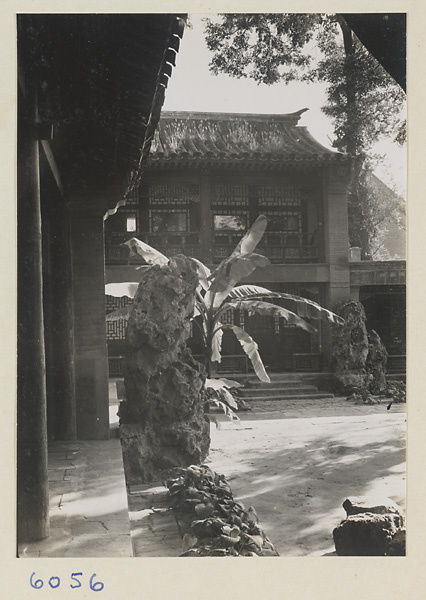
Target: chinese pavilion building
{"type": "Point", "coordinates": [208, 177]}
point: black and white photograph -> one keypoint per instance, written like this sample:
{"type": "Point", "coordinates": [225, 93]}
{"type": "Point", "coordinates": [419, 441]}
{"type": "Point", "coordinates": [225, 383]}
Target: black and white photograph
{"type": "Point", "coordinates": [211, 217]}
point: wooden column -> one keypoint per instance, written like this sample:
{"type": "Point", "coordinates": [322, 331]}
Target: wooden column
{"type": "Point", "coordinates": [206, 227]}
{"type": "Point", "coordinates": [336, 242]}
{"type": "Point", "coordinates": [91, 356]}
{"type": "Point", "coordinates": [58, 317]}
{"type": "Point", "coordinates": [32, 492]}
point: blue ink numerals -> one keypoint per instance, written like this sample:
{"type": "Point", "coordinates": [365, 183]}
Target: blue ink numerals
{"type": "Point", "coordinates": [54, 582]}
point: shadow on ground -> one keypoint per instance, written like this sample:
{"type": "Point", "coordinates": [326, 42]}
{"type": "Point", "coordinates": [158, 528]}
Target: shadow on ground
{"type": "Point", "coordinates": [296, 473]}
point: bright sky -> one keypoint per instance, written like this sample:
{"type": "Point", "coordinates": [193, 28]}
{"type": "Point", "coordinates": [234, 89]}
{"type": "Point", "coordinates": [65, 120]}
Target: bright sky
{"type": "Point", "coordinates": [193, 87]}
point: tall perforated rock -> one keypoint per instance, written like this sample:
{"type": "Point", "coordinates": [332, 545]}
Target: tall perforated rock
{"type": "Point", "coordinates": [162, 422]}
{"type": "Point", "coordinates": [350, 349]}
{"type": "Point", "coordinates": [376, 363]}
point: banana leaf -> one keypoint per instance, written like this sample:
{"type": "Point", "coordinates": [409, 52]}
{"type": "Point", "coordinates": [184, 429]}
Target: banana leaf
{"type": "Point", "coordinates": [124, 288]}
{"type": "Point", "coordinates": [221, 382]}
{"type": "Point", "coordinates": [147, 252]}
{"type": "Point", "coordinates": [251, 349]}
{"type": "Point", "coordinates": [303, 306]}
{"type": "Point", "coordinates": [216, 345]}
{"type": "Point", "coordinates": [232, 271]}
{"type": "Point", "coordinates": [230, 400]}
{"type": "Point", "coordinates": [248, 243]}
{"type": "Point", "coordinates": [203, 273]}
{"type": "Point", "coordinates": [236, 266]}
{"type": "Point", "coordinates": [226, 409]}
{"type": "Point", "coordinates": [266, 308]}
{"type": "Point", "coordinates": [120, 313]}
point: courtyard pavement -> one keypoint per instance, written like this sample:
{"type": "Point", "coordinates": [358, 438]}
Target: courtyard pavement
{"type": "Point", "coordinates": [88, 502]}
{"type": "Point", "coordinates": [296, 462]}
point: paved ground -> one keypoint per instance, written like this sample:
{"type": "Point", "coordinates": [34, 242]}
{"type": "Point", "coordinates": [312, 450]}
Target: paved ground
{"type": "Point", "coordinates": [154, 529]}
{"type": "Point", "coordinates": [327, 407]}
{"type": "Point", "coordinates": [295, 461]}
{"type": "Point", "coordinates": [296, 464]}
{"type": "Point", "coordinates": [88, 502]}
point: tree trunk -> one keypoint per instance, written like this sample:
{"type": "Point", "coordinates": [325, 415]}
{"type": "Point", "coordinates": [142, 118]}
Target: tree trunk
{"type": "Point", "coordinates": [352, 141]}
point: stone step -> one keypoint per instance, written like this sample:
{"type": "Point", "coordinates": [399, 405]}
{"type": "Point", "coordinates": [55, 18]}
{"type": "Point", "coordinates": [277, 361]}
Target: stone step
{"type": "Point", "coordinates": [274, 383]}
{"type": "Point", "coordinates": [274, 377]}
{"type": "Point", "coordinates": [274, 389]}
{"type": "Point", "coordinates": [291, 396]}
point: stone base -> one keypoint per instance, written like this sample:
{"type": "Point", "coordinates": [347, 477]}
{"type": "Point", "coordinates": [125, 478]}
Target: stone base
{"type": "Point", "coordinates": [148, 453]}
{"type": "Point", "coordinates": [346, 383]}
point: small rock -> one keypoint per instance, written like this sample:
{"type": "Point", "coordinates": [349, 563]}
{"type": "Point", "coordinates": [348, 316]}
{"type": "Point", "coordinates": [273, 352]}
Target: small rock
{"type": "Point", "coordinates": [397, 545]}
{"type": "Point", "coordinates": [377, 506]}
{"type": "Point", "coordinates": [366, 534]}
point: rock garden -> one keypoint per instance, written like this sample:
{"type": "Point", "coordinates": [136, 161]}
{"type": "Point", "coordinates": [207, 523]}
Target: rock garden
{"type": "Point", "coordinates": [170, 435]}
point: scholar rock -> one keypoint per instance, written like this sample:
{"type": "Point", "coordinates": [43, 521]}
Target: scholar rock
{"type": "Point", "coordinates": [162, 422]}
{"type": "Point", "coordinates": [366, 534]}
{"type": "Point", "coordinates": [378, 506]}
{"type": "Point", "coordinates": [373, 527]}
{"type": "Point", "coordinates": [376, 363]}
{"type": "Point", "coordinates": [350, 349]}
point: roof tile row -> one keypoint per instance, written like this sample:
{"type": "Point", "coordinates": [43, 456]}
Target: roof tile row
{"type": "Point", "coordinates": [222, 137]}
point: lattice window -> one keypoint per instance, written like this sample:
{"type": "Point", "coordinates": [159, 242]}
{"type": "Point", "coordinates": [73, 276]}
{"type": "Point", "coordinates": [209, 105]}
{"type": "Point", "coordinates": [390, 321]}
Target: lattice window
{"type": "Point", "coordinates": [291, 253]}
{"type": "Point", "coordinates": [164, 220]}
{"type": "Point", "coordinates": [220, 252]}
{"type": "Point", "coordinates": [171, 194]}
{"type": "Point", "coordinates": [229, 219]}
{"type": "Point", "coordinates": [132, 199]}
{"type": "Point", "coordinates": [277, 325]}
{"type": "Point", "coordinates": [275, 195]}
{"type": "Point", "coordinates": [131, 222]}
{"type": "Point", "coordinates": [116, 330]}
{"type": "Point", "coordinates": [227, 318]}
{"type": "Point", "coordinates": [225, 195]}
{"type": "Point", "coordinates": [305, 192]}
{"type": "Point", "coordinates": [284, 221]}
{"type": "Point", "coordinates": [113, 303]}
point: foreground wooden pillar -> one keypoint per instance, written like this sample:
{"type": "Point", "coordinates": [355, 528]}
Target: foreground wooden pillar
{"type": "Point", "coordinates": [91, 355]}
{"type": "Point", "coordinates": [58, 317]}
{"type": "Point", "coordinates": [33, 492]}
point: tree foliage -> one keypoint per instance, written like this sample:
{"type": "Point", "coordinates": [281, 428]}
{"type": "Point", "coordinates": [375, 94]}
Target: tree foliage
{"type": "Point", "coordinates": [363, 100]}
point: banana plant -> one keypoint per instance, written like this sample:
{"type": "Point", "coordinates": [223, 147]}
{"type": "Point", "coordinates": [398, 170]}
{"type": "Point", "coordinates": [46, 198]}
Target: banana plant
{"type": "Point", "coordinates": [218, 292]}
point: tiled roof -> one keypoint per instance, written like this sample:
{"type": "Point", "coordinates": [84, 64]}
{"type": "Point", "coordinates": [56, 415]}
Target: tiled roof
{"type": "Point", "coordinates": [101, 81]}
{"type": "Point", "coordinates": [188, 137]}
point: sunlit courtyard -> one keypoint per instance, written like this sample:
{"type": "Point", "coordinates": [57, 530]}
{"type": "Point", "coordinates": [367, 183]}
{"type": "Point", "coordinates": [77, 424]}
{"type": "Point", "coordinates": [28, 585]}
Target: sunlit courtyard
{"type": "Point", "coordinates": [297, 472]}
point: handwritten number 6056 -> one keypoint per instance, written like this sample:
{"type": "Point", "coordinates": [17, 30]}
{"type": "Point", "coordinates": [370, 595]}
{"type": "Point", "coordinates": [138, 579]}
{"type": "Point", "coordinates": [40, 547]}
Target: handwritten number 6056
{"type": "Point", "coordinates": [55, 582]}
